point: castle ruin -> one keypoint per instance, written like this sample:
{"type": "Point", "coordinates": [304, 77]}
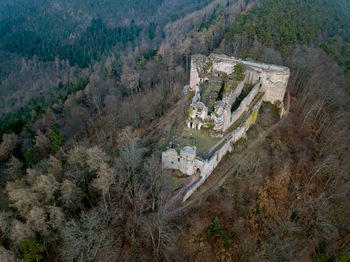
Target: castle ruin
{"type": "Point", "coordinates": [226, 94]}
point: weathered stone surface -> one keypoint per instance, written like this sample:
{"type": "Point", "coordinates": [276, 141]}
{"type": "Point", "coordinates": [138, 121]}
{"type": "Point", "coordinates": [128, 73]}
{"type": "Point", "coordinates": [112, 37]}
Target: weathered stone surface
{"type": "Point", "coordinates": [170, 159]}
{"type": "Point", "coordinates": [270, 83]}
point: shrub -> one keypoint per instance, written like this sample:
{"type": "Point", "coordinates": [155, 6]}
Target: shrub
{"type": "Point", "coordinates": [345, 257]}
{"type": "Point", "coordinates": [56, 137]}
{"type": "Point", "coordinates": [216, 228]}
{"type": "Point", "coordinates": [30, 156]}
{"type": "Point", "coordinates": [190, 95]}
{"type": "Point", "coordinates": [238, 72]}
{"type": "Point", "coordinates": [31, 250]}
{"type": "Point", "coordinates": [319, 257]}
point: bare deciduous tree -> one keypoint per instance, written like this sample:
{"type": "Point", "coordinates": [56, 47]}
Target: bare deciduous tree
{"type": "Point", "coordinates": [158, 229]}
{"type": "Point", "coordinates": [6, 255]}
{"type": "Point", "coordinates": [105, 178]}
{"type": "Point", "coordinates": [5, 224]}
{"type": "Point", "coordinates": [14, 168]}
{"type": "Point", "coordinates": [20, 231]}
{"type": "Point", "coordinates": [71, 195]}
{"type": "Point", "coordinates": [83, 239]}
{"type": "Point", "coordinates": [56, 218]}
{"type": "Point", "coordinates": [46, 186]}
{"type": "Point", "coordinates": [36, 218]}
{"type": "Point", "coordinates": [22, 197]}
{"type": "Point", "coordinates": [42, 143]}
{"type": "Point", "coordinates": [8, 144]}
{"type": "Point", "coordinates": [95, 156]}
{"type": "Point", "coordinates": [55, 167]}
{"type": "Point", "coordinates": [155, 180]}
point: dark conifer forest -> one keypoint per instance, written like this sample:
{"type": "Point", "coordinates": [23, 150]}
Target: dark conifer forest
{"type": "Point", "coordinates": [90, 93]}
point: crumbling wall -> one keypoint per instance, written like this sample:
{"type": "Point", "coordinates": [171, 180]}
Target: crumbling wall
{"type": "Point", "coordinates": [194, 77]}
{"type": "Point", "coordinates": [187, 157]}
{"type": "Point", "coordinates": [200, 68]}
{"type": "Point", "coordinates": [199, 164]}
{"type": "Point", "coordinates": [227, 118]}
{"type": "Point", "coordinates": [252, 75]}
{"type": "Point", "coordinates": [214, 160]}
{"type": "Point", "coordinates": [238, 91]}
{"type": "Point", "coordinates": [274, 78]}
{"type": "Point", "coordinates": [276, 85]}
{"type": "Point", "coordinates": [232, 96]}
{"type": "Point", "coordinates": [209, 166]}
{"type": "Point", "coordinates": [244, 106]}
{"type": "Point", "coordinates": [224, 66]}
{"type": "Point", "coordinates": [270, 79]}
{"type": "Point", "coordinates": [170, 159]}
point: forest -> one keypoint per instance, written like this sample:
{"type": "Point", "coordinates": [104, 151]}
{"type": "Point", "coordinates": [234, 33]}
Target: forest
{"type": "Point", "coordinates": [88, 92]}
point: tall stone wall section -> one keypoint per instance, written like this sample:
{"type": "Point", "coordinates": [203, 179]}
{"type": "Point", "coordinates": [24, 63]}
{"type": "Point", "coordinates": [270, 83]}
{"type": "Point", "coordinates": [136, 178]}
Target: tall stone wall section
{"type": "Point", "coordinates": [194, 76]}
{"type": "Point", "coordinates": [275, 85]}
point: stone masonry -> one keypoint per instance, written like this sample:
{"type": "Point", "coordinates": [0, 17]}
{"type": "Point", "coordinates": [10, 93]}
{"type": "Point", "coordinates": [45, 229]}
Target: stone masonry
{"type": "Point", "coordinates": [225, 106]}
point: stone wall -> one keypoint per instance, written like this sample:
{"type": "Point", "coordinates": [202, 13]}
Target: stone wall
{"type": "Point", "coordinates": [186, 161]}
{"type": "Point", "coordinates": [170, 159]}
{"type": "Point", "coordinates": [211, 163]}
{"type": "Point", "coordinates": [274, 79]}
{"type": "Point", "coordinates": [270, 79]}
{"type": "Point", "coordinates": [244, 106]}
{"type": "Point", "coordinates": [194, 77]}
{"type": "Point", "coordinates": [187, 157]}
{"type": "Point", "coordinates": [238, 90]}
{"type": "Point", "coordinates": [189, 164]}
{"type": "Point", "coordinates": [276, 85]}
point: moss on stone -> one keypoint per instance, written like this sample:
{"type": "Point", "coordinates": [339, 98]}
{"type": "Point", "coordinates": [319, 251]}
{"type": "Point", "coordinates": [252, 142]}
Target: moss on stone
{"type": "Point", "coordinates": [190, 95]}
{"type": "Point", "coordinates": [252, 118]}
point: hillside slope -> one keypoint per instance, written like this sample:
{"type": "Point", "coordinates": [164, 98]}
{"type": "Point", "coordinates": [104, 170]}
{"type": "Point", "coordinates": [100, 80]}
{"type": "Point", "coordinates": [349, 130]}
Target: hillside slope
{"type": "Point", "coordinates": [80, 176]}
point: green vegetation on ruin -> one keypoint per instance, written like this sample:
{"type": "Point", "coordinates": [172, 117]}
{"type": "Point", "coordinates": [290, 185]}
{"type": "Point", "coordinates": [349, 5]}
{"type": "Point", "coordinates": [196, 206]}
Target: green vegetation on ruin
{"type": "Point", "coordinates": [193, 137]}
{"type": "Point", "coordinates": [238, 72]}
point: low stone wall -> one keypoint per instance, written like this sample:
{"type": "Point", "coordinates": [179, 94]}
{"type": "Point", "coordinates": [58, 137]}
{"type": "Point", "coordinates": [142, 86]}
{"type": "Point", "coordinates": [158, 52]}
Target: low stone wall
{"type": "Point", "coordinates": [193, 188]}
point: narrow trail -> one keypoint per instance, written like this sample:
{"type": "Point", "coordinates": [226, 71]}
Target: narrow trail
{"type": "Point", "coordinates": [217, 144]}
{"type": "Point", "coordinates": [181, 191]}
{"type": "Point", "coordinates": [211, 184]}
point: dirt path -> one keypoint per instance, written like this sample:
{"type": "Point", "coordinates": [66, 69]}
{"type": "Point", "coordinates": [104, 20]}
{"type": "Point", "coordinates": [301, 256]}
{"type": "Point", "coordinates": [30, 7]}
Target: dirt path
{"type": "Point", "coordinates": [217, 144]}
{"type": "Point", "coordinates": [177, 196]}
